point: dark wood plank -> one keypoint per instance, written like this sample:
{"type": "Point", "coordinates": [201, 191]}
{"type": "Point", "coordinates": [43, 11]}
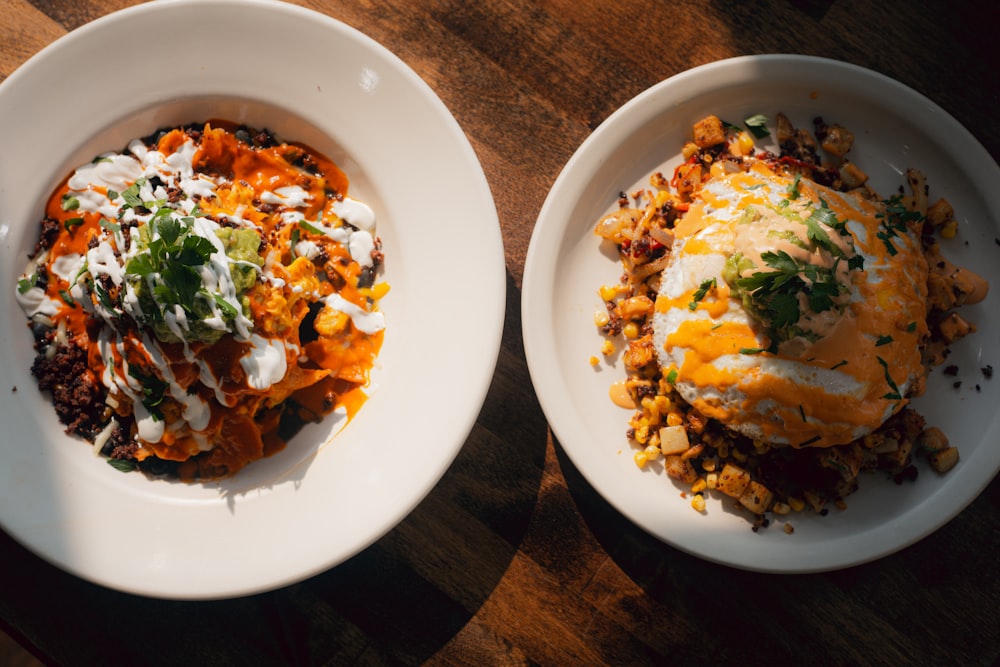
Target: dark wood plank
{"type": "Point", "coordinates": [513, 559]}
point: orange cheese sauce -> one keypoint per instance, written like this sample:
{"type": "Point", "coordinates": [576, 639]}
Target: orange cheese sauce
{"type": "Point", "coordinates": [316, 317]}
{"type": "Point", "coordinates": [859, 359]}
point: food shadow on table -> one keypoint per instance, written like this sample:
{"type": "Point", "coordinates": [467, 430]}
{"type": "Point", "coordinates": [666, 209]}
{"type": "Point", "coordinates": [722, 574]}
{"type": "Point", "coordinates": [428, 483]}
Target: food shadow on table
{"type": "Point", "coordinates": [855, 615]}
{"type": "Point", "coordinates": [417, 588]}
{"type": "Point", "coordinates": [400, 600]}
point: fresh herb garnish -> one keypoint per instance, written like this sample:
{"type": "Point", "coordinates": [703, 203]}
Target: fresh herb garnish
{"type": "Point", "coordinates": [706, 286]}
{"type": "Point", "coordinates": [802, 412]}
{"type": "Point", "coordinates": [752, 350]}
{"type": "Point", "coordinates": [70, 202]}
{"type": "Point", "coordinates": [883, 340]}
{"type": "Point", "coordinates": [757, 124]}
{"type": "Point", "coordinates": [70, 301]}
{"type": "Point", "coordinates": [153, 391]}
{"type": "Point", "coordinates": [25, 284]}
{"type": "Point", "coordinates": [893, 395]}
{"type": "Point", "coordinates": [793, 187]}
{"type": "Point", "coordinates": [103, 297]}
{"type": "Point", "coordinates": [672, 376]}
{"type": "Point", "coordinates": [131, 193]}
{"type": "Point", "coordinates": [894, 221]}
{"type": "Point", "coordinates": [228, 309]}
{"type": "Point", "coordinates": [123, 465]}
{"type": "Point", "coordinates": [170, 265]}
{"type": "Point", "coordinates": [313, 229]}
{"type": "Point", "coordinates": [842, 362]}
{"type": "Point", "coordinates": [70, 223]}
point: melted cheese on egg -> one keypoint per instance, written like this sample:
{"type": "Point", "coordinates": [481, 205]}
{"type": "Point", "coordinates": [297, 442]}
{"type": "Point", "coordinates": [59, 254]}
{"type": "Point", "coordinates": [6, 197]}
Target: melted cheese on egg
{"type": "Point", "coordinates": [839, 372]}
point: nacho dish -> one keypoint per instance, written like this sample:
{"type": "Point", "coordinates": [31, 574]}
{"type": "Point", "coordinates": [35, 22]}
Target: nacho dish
{"type": "Point", "coordinates": [775, 317]}
{"type": "Point", "coordinates": [199, 297]}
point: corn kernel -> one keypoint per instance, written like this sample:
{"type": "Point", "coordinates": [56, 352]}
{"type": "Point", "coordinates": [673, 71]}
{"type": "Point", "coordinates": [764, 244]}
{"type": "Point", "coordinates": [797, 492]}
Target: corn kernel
{"type": "Point", "coordinates": [642, 434]}
{"type": "Point", "coordinates": [797, 504]}
{"type": "Point", "coordinates": [712, 480]}
{"type": "Point", "coordinates": [788, 528]}
{"type": "Point", "coordinates": [650, 408]}
{"type": "Point", "coordinates": [739, 456]}
{"type": "Point", "coordinates": [674, 419]}
{"type": "Point", "coordinates": [652, 452]}
{"type": "Point", "coordinates": [601, 318]}
{"type": "Point", "coordinates": [781, 508]}
{"type": "Point", "coordinates": [608, 292]}
{"type": "Point", "coordinates": [699, 486]}
{"type": "Point", "coordinates": [631, 330]}
{"type": "Point", "coordinates": [698, 502]}
{"type": "Point", "coordinates": [690, 148]}
{"type": "Point", "coordinates": [709, 465]}
{"type": "Point", "coordinates": [949, 229]}
{"type": "Point", "coordinates": [662, 404]}
{"type": "Point", "coordinates": [607, 348]}
{"type": "Point", "coordinates": [594, 360]}
{"type": "Point", "coordinates": [641, 459]}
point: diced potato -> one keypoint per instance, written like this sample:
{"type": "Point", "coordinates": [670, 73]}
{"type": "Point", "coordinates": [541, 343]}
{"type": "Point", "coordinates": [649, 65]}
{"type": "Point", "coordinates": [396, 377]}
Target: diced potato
{"type": "Point", "coordinates": [899, 457]}
{"type": "Point", "coordinates": [816, 501]}
{"type": "Point", "coordinates": [954, 327]}
{"type": "Point", "coordinates": [940, 212]}
{"type": "Point", "coordinates": [733, 480]}
{"type": "Point", "coordinates": [918, 187]}
{"type": "Point", "coordinates": [944, 460]}
{"type": "Point", "coordinates": [635, 307]}
{"type": "Point", "coordinates": [680, 469]}
{"type": "Point", "coordinates": [673, 440]}
{"type": "Point", "coordinates": [689, 178]}
{"type": "Point", "coordinates": [709, 131]}
{"type": "Point", "coordinates": [932, 439]}
{"type": "Point", "coordinates": [852, 176]}
{"type": "Point", "coordinates": [781, 508]}
{"type": "Point", "coordinates": [756, 497]}
{"type": "Point", "coordinates": [786, 130]}
{"type": "Point", "coordinates": [838, 140]}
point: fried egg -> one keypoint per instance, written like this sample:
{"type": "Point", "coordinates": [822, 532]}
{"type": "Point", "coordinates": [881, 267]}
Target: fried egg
{"type": "Point", "coordinates": [792, 313]}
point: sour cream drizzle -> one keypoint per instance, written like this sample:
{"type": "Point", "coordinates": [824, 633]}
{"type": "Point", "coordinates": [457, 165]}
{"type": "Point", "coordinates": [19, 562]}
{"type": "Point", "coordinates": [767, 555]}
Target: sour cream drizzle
{"type": "Point", "coordinates": [114, 197]}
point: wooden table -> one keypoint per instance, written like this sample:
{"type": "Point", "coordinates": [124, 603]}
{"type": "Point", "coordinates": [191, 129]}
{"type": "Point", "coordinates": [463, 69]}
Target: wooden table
{"type": "Point", "coordinates": [514, 558]}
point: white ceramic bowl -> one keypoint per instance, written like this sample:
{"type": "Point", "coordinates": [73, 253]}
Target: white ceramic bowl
{"type": "Point", "coordinates": [308, 78]}
{"type": "Point", "coordinates": [895, 128]}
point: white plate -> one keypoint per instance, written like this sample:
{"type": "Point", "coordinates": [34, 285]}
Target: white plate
{"type": "Point", "coordinates": [308, 78]}
{"type": "Point", "coordinates": [895, 128]}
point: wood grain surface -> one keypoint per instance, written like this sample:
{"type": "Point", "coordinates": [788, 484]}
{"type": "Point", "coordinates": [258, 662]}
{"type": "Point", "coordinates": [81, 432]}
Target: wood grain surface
{"type": "Point", "coordinates": [513, 559]}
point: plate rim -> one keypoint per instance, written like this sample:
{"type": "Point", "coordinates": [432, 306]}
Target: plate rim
{"type": "Point", "coordinates": [489, 325]}
{"type": "Point", "coordinates": [538, 292]}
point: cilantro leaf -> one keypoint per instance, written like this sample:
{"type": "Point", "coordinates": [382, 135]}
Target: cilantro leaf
{"type": "Point", "coordinates": [123, 465]}
{"type": "Point", "coordinates": [706, 286]}
{"type": "Point", "coordinates": [893, 395]}
{"type": "Point", "coordinates": [757, 124]}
